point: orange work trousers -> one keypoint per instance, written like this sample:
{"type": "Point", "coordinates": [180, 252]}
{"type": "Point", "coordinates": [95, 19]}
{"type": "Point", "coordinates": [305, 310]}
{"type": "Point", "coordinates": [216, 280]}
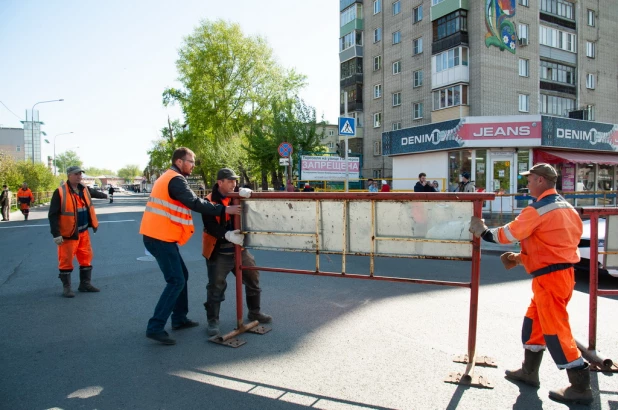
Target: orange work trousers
{"type": "Point", "coordinates": [72, 248]}
{"type": "Point", "coordinates": [547, 321]}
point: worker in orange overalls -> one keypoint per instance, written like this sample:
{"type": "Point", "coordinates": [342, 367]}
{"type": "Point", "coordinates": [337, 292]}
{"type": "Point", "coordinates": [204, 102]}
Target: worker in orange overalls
{"type": "Point", "coordinates": [549, 231]}
{"type": "Point", "coordinates": [71, 213]}
{"type": "Point", "coordinates": [25, 198]}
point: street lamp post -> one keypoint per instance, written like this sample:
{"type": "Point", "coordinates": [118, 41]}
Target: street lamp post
{"type": "Point", "coordinates": [55, 167]}
{"type": "Point", "coordinates": [32, 113]}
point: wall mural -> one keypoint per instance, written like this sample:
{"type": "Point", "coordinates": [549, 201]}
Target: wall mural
{"type": "Point", "coordinates": [501, 31]}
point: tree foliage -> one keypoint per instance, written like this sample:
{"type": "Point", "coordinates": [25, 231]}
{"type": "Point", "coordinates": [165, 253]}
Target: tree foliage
{"type": "Point", "coordinates": [97, 172]}
{"type": "Point", "coordinates": [129, 173]}
{"type": "Point", "coordinates": [67, 159]}
{"type": "Point", "coordinates": [13, 173]}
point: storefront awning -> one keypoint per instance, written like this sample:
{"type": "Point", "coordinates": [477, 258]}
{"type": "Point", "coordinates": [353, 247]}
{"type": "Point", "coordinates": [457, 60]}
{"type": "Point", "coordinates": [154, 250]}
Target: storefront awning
{"type": "Point", "coordinates": [578, 157]}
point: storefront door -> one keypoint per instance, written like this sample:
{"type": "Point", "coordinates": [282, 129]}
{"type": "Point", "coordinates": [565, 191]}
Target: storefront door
{"type": "Point", "coordinates": [501, 183]}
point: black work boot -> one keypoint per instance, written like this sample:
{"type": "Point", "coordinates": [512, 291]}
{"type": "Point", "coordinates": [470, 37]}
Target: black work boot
{"type": "Point", "coordinates": [85, 273]}
{"type": "Point", "coordinates": [253, 304]}
{"type": "Point", "coordinates": [212, 315]}
{"type": "Point", "coordinates": [529, 372]}
{"type": "Point", "coordinates": [65, 277]}
{"type": "Point", "coordinates": [579, 391]}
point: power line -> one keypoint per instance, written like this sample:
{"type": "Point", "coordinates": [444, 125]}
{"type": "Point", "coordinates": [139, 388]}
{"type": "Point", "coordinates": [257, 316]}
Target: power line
{"type": "Point", "coordinates": [11, 111]}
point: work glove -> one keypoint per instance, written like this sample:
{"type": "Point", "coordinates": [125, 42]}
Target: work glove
{"type": "Point", "coordinates": [510, 259]}
{"type": "Point", "coordinates": [245, 192]}
{"type": "Point", "coordinates": [235, 237]}
{"type": "Point", "coordinates": [477, 226]}
{"type": "Point", "coordinates": [58, 240]}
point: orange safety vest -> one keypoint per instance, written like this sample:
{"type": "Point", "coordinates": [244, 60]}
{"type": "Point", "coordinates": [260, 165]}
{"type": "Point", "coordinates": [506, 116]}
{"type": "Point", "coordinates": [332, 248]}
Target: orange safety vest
{"type": "Point", "coordinates": [165, 218]}
{"type": "Point", "coordinates": [209, 241]}
{"type": "Point", "coordinates": [69, 209]}
{"type": "Point", "coordinates": [25, 196]}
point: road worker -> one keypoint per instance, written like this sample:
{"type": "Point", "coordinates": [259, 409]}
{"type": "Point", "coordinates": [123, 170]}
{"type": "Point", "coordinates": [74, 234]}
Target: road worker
{"type": "Point", "coordinates": [71, 213]}
{"type": "Point", "coordinates": [25, 198]}
{"type": "Point", "coordinates": [549, 231]}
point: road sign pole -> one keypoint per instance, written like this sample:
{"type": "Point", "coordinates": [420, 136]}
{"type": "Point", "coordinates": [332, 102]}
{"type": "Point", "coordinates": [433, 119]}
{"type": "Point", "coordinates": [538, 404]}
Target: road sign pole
{"type": "Point", "coordinates": [345, 114]}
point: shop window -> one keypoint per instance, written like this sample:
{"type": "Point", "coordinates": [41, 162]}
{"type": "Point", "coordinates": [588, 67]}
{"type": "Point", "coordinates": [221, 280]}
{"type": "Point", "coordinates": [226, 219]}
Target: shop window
{"type": "Point", "coordinates": [480, 167]}
{"type": "Point", "coordinates": [458, 162]}
{"type": "Point", "coordinates": [605, 183]}
{"type": "Point", "coordinates": [523, 164]}
{"type": "Point", "coordinates": [585, 183]}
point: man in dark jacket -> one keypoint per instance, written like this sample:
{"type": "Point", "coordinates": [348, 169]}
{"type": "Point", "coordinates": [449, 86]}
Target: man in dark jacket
{"type": "Point", "coordinates": [71, 213]}
{"type": "Point", "coordinates": [219, 239]}
{"type": "Point", "coordinates": [422, 185]}
{"type": "Point", "coordinates": [111, 194]}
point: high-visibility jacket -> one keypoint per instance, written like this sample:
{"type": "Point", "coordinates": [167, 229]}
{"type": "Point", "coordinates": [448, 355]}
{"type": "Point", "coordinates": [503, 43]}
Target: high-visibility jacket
{"type": "Point", "coordinates": [165, 218]}
{"type": "Point", "coordinates": [209, 241]}
{"type": "Point", "coordinates": [549, 231]}
{"type": "Point", "coordinates": [69, 209]}
{"type": "Point", "coordinates": [24, 196]}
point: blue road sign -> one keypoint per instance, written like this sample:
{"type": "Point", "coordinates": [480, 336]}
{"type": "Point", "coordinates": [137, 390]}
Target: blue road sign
{"type": "Point", "coordinates": [347, 126]}
{"type": "Point", "coordinates": [285, 149]}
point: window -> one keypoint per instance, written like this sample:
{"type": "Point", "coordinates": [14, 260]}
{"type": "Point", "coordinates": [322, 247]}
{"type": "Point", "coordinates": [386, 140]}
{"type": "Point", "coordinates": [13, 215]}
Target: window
{"type": "Point", "coordinates": [397, 37]}
{"type": "Point", "coordinates": [591, 18]}
{"type": "Point", "coordinates": [523, 31]}
{"type": "Point", "coordinates": [523, 3]}
{"type": "Point", "coordinates": [524, 67]}
{"type": "Point", "coordinates": [418, 14]}
{"type": "Point", "coordinates": [591, 49]}
{"type": "Point", "coordinates": [396, 99]}
{"type": "Point", "coordinates": [434, 2]}
{"type": "Point", "coordinates": [331, 145]}
{"type": "Point", "coordinates": [351, 67]}
{"type": "Point", "coordinates": [377, 119]}
{"type": "Point", "coordinates": [450, 24]}
{"type": "Point", "coordinates": [558, 7]}
{"type": "Point", "coordinates": [450, 97]}
{"type": "Point", "coordinates": [418, 110]}
{"type": "Point", "coordinates": [377, 63]}
{"type": "Point", "coordinates": [396, 126]}
{"type": "Point", "coordinates": [557, 72]}
{"type": "Point", "coordinates": [377, 91]}
{"type": "Point", "coordinates": [351, 39]}
{"type": "Point", "coordinates": [396, 67]}
{"type": "Point", "coordinates": [553, 105]}
{"type": "Point", "coordinates": [524, 103]}
{"type": "Point", "coordinates": [377, 34]}
{"type": "Point", "coordinates": [377, 148]}
{"type": "Point", "coordinates": [351, 13]}
{"type": "Point", "coordinates": [396, 8]}
{"type": "Point", "coordinates": [590, 81]}
{"type": "Point", "coordinates": [18, 148]}
{"type": "Point", "coordinates": [418, 45]}
{"type": "Point", "coordinates": [418, 78]}
{"type": "Point", "coordinates": [558, 39]}
{"type": "Point", "coordinates": [377, 6]}
{"type": "Point", "coordinates": [331, 133]}
{"type": "Point", "coordinates": [451, 58]}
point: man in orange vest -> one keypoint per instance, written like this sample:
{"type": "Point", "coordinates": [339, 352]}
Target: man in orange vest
{"type": "Point", "coordinates": [218, 242]}
{"type": "Point", "coordinates": [25, 198]}
{"type": "Point", "coordinates": [71, 213]}
{"type": "Point", "coordinates": [549, 231]}
{"type": "Point", "coordinates": [167, 223]}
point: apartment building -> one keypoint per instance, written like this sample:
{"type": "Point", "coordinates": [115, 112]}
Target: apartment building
{"type": "Point", "coordinates": [486, 87]}
{"type": "Point", "coordinates": [12, 142]}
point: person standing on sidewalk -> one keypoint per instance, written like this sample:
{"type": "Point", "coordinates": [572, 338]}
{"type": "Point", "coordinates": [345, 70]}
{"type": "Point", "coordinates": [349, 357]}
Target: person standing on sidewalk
{"type": "Point", "coordinates": [5, 202]}
{"type": "Point", "coordinates": [71, 213]}
{"type": "Point", "coordinates": [25, 198]}
{"type": "Point", "coordinates": [218, 242]}
{"type": "Point", "coordinates": [549, 231]}
{"type": "Point", "coordinates": [167, 223]}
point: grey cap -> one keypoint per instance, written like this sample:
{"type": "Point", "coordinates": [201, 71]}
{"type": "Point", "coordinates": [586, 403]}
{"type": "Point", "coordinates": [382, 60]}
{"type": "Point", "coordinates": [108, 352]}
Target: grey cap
{"type": "Point", "coordinates": [545, 170]}
{"type": "Point", "coordinates": [74, 170]}
{"type": "Point", "coordinates": [226, 173]}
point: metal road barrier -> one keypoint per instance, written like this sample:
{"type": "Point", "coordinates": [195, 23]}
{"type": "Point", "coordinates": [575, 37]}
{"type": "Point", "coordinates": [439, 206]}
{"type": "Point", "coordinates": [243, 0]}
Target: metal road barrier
{"type": "Point", "coordinates": [397, 225]}
{"type": "Point", "coordinates": [610, 250]}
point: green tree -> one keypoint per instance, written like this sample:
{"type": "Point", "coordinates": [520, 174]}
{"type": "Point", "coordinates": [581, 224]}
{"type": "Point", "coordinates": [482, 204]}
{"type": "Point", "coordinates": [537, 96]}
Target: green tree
{"type": "Point", "coordinates": [9, 174]}
{"type": "Point", "coordinates": [129, 173]}
{"type": "Point", "coordinates": [97, 172]}
{"type": "Point", "coordinates": [67, 159]}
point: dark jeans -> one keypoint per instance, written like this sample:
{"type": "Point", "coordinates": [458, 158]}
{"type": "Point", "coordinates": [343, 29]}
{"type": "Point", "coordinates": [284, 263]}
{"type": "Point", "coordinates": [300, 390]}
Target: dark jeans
{"type": "Point", "coordinates": [218, 268]}
{"type": "Point", "coordinates": [174, 298]}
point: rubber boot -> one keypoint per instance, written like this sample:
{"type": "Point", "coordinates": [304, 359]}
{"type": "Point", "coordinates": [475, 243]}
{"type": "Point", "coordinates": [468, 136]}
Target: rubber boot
{"type": "Point", "coordinates": [65, 277]}
{"type": "Point", "coordinates": [253, 303]}
{"type": "Point", "coordinates": [579, 391]}
{"type": "Point", "coordinates": [529, 372]}
{"type": "Point", "coordinates": [212, 315]}
{"type": "Point", "coordinates": [85, 273]}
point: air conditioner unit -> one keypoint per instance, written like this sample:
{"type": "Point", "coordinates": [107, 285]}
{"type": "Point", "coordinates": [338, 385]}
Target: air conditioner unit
{"type": "Point", "coordinates": [523, 41]}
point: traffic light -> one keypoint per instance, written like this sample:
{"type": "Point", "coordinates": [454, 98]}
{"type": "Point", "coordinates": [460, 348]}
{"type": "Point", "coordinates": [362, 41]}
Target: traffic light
{"type": "Point", "coordinates": [338, 151]}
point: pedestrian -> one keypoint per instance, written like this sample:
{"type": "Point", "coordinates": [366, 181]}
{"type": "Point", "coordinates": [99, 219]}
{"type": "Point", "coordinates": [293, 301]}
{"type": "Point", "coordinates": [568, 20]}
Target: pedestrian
{"type": "Point", "coordinates": [25, 198]}
{"type": "Point", "coordinates": [166, 224]}
{"type": "Point", "coordinates": [385, 186]}
{"type": "Point", "coordinates": [308, 188]}
{"type": "Point", "coordinates": [436, 186]}
{"type": "Point", "coordinates": [422, 185]}
{"type": "Point", "coordinates": [466, 185]}
{"type": "Point", "coordinates": [71, 213]}
{"type": "Point", "coordinates": [218, 242]}
{"type": "Point", "coordinates": [372, 187]}
{"type": "Point", "coordinates": [110, 191]}
{"type": "Point", "coordinates": [289, 187]}
{"type": "Point", "coordinates": [549, 231]}
{"type": "Point", "coordinates": [5, 202]}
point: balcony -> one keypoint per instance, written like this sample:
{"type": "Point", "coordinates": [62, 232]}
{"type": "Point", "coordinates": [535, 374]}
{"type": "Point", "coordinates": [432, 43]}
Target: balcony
{"type": "Point", "coordinates": [344, 4]}
{"type": "Point", "coordinates": [353, 79]}
{"type": "Point", "coordinates": [561, 88]}
{"type": "Point", "coordinates": [352, 52]}
{"type": "Point", "coordinates": [461, 37]}
{"type": "Point", "coordinates": [447, 7]}
{"type": "Point", "coordinates": [356, 24]}
{"type": "Point", "coordinates": [352, 106]}
{"type": "Point", "coordinates": [561, 21]}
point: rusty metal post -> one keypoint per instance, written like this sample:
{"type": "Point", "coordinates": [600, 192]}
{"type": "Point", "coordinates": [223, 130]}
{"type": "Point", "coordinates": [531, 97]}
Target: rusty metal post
{"type": "Point", "coordinates": [238, 270]}
{"type": "Point", "coordinates": [593, 280]}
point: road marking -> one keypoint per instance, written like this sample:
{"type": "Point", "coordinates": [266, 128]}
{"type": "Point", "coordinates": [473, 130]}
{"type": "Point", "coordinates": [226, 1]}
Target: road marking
{"type": "Point", "coordinates": [34, 226]}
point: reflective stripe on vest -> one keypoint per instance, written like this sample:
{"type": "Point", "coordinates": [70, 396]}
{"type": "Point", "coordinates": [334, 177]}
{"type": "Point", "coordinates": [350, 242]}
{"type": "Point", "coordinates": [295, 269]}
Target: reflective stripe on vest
{"type": "Point", "coordinates": [69, 209]}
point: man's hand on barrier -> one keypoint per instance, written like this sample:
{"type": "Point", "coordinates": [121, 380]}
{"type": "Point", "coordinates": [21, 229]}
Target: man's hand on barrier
{"type": "Point", "coordinates": [233, 209]}
{"type": "Point", "coordinates": [235, 237]}
{"type": "Point", "coordinates": [58, 240]}
{"type": "Point", "coordinates": [510, 259]}
{"type": "Point", "coordinates": [477, 226]}
{"type": "Point", "coordinates": [245, 192]}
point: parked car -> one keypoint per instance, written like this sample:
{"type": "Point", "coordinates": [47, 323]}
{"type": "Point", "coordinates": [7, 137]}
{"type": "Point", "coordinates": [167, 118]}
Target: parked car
{"type": "Point", "coordinates": [584, 250]}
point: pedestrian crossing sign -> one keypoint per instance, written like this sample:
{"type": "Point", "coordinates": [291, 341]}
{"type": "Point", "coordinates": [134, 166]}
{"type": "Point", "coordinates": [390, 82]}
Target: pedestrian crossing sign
{"type": "Point", "coordinates": [347, 126]}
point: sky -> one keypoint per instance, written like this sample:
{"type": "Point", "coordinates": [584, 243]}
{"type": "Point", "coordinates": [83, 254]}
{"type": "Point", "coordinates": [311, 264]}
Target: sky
{"type": "Point", "coordinates": [111, 61]}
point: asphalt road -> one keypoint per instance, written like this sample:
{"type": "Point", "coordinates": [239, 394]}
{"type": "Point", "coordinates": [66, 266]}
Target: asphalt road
{"type": "Point", "coordinates": [335, 343]}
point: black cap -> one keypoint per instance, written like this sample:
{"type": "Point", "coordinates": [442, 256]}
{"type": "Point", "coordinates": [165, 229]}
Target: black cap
{"type": "Point", "coordinates": [226, 173]}
{"type": "Point", "coordinates": [465, 175]}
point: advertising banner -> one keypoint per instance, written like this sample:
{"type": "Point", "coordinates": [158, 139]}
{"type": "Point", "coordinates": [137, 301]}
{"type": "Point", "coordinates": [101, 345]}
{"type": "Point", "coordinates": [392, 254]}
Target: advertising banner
{"type": "Point", "coordinates": [579, 134]}
{"type": "Point", "coordinates": [328, 168]}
